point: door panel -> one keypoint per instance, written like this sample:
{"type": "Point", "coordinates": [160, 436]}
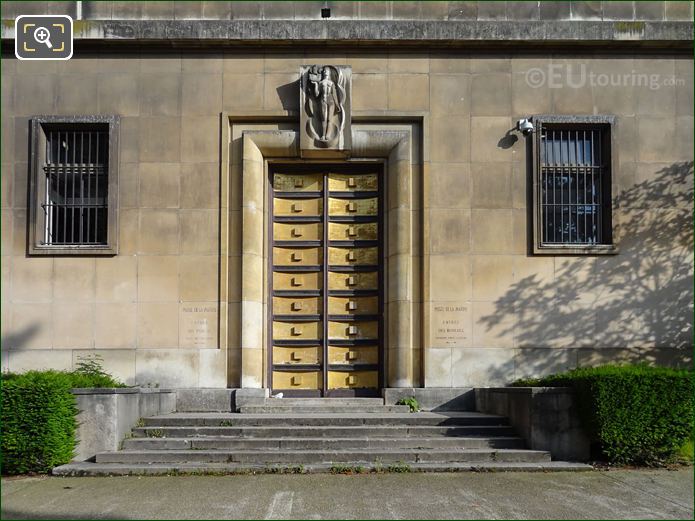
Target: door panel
{"type": "Point", "coordinates": [297, 256]}
{"type": "Point", "coordinates": [352, 232]}
{"type": "Point", "coordinates": [298, 182]}
{"type": "Point", "coordinates": [353, 281]}
{"type": "Point", "coordinates": [297, 380]}
{"type": "Point", "coordinates": [353, 330]}
{"type": "Point", "coordinates": [297, 281]}
{"type": "Point", "coordinates": [353, 354]}
{"type": "Point", "coordinates": [353, 305]}
{"type": "Point", "coordinates": [297, 305]}
{"type": "Point", "coordinates": [353, 256]}
{"type": "Point", "coordinates": [353, 183]}
{"type": "Point", "coordinates": [298, 207]}
{"type": "Point", "coordinates": [297, 232]}
{"type": "Point", "coordinates": [326, 284]}
{"type": "Point", "coordinates": [353, 379]}
{"type": "Point", "coordinates": [297, 355]}
{"type": "Point", "coordinates": [353, 207]}
{"type": "Point", "coordinates": [297, 330]}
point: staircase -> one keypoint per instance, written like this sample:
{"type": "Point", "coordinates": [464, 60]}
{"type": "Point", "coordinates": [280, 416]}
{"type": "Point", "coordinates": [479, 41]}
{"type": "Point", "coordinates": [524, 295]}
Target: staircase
{"type": "Point", "coordinates": [319, 435]}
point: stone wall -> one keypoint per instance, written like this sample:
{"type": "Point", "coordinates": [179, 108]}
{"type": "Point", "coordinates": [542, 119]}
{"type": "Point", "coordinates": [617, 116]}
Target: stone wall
{"type": "Point", "coordinates": [398, 10]}
{"type": "Point", "coordinates": [106, 416]}
{"type": "Point", "coordinates": [522, 315]}
{"type": "Point", "coordinates": [546, 417]}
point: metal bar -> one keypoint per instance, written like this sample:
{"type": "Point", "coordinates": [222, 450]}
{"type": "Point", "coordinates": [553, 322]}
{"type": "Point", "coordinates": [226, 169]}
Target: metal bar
{"type": "Point", "coordinates": [562, 196]}
{"type": "Point", "coordinates": [48, 224]}
{"type": "Point", "coordinates": [544, 178]}
{"type": "Point", "coordinates": [593, 190]}
{"type": "Point", "coordinates": [72, 210]}
{"type": "Point", "coordinates": [587, 237]}
{"type": "Point", "coordinates": [96, 212]}
{"type": "Point", "coordinates": [324, 289]}
{"type": "Point", "coordinates": [600, 188]}
{"type": "Point", "coordinates": [576, 185]}
{"type": "Point", "coordinates": [554, 186]}
{"type": "Point", "coordinates": [82, 170]}
{"type": "Point", "coordinates": [65, 191]}
{"type": "Point", "coordinates": [89, 183]}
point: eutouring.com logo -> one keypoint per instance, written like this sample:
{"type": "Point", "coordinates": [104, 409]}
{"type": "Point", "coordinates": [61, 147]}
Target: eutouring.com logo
{"type": "Point", "coordinates": [38, 37]}
{"type": "Point", "coordinates": [559, 76]}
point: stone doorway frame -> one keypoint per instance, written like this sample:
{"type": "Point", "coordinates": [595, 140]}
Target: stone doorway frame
{"type": "Point", "coordinates": [247, 149]}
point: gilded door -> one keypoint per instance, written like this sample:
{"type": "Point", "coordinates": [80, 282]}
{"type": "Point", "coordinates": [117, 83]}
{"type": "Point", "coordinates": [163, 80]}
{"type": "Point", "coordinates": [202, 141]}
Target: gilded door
{"type": "Point", "coordinates": [326, 284]}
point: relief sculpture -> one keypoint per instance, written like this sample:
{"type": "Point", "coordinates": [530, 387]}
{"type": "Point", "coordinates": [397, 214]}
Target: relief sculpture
{"type": "Point", "coordinates": [325, 110]}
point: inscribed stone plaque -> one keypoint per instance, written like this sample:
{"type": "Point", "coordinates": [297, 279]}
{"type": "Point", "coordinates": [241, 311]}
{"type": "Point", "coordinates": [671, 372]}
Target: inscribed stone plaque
{"type": "Point", "coordinates": [325, 108]}
{"type": "Point", "coordinates": [450, 324]}
{"type": "Point", "coordinates": [198, 325]}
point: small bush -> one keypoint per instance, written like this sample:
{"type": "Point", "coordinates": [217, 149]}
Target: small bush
{"type": "Point", "coordinates": [410, 402]}
{"type": "Point", "coordinates": [38, 415]}
{"type": "Point", "coordinates": [90, 373]}
{"type": "Point", "coordinates": [636, 414]}
{"type": "Point", "coordinates": [38, 421]}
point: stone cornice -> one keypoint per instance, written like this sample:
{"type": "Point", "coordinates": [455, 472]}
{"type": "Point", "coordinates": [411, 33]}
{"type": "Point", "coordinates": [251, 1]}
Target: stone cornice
{"type": "Point", "coordinates": [519, 34]}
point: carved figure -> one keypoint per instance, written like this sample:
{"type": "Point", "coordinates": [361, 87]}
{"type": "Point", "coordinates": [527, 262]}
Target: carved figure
{"type": "Point", "coordinates": [325, 103]}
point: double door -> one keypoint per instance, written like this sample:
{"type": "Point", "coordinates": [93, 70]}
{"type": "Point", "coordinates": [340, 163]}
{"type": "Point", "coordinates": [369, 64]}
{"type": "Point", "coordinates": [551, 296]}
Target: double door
{"type": "Point", "coordinates": [326, 286]}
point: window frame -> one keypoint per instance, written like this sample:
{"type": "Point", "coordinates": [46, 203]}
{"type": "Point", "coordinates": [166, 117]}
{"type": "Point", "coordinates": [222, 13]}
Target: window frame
{"type": "Point", "coordinates": [538, 246]}
{"type": "Point", "coordinates": [38, 128]}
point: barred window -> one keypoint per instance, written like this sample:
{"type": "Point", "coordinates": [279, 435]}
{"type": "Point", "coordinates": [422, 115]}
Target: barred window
{"type": "Point", "coordinates": [76, 171]}
{"type": "Point", "coordinates": [573, 184]}
{"type": "Point", "coordinates": [74, 185]}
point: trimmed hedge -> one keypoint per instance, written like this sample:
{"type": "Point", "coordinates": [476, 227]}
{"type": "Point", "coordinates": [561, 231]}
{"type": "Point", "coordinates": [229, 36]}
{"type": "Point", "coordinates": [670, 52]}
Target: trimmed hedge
{"type": "Point", "coordinates": [38, 422]}
{"type": "Point", "coordinates": [38, 418]}
{"type": "Point", "coordinates": [637, 414]}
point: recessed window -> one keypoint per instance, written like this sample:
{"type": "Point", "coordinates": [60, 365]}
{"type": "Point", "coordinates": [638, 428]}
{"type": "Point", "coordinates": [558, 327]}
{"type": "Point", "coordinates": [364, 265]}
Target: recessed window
{"type": "Point", "coordinates": [573, 185]}
{"type": "Point", "coordinates": [74, 185]}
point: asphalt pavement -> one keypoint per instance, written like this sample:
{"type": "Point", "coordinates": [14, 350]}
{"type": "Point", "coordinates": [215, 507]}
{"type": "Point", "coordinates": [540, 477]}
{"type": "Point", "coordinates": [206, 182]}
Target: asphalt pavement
{"type": "Point", "coordinates": [614, 494]}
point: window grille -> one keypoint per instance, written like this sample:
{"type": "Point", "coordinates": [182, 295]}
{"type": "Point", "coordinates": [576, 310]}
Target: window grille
{"type": "Point", "coordinates": [76, 179]}
{"type": "Point", "coordinates": [574, 184]}
{"type": "Point", "coordinates": [74, 185]}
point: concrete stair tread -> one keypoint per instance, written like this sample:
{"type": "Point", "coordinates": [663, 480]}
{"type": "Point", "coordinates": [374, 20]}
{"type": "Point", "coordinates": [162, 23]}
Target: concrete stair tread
{"type": "Point", "coordinates": [323, 409]}
{"type": "Point", "coordinates": [324, 401]}
{"type": "Point", "coordinates": [348, 431]}
{"type": "Point", "coordinates": [332, 451]}
{"type": "Point", "coordinates": [322, 455]}
{"type": "Point", "coordinates": [233, 415]}
{"type": "Point", "coordinates": [328, 438]}
{"type": "Point", "coordinates": [323, 428]}
{"type": "Point", "coordinates": [321, 443]}
{"type": "Point", "coordinates": [112, 469]}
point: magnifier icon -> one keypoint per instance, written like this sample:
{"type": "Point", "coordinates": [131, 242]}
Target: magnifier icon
{"type": "Point", "coordinates": [42, 35]}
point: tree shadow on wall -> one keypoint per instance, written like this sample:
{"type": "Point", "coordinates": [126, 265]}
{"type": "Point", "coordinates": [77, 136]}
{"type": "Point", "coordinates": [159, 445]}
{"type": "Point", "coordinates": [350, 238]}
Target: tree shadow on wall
{"type": "Point", "coordinates": [638, 302]}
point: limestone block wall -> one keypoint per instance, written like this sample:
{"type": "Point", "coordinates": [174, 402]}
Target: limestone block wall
{"type": "Point", "coordinates": [521, 315]}
{"type": "Point", "coordinates": [370, 10]}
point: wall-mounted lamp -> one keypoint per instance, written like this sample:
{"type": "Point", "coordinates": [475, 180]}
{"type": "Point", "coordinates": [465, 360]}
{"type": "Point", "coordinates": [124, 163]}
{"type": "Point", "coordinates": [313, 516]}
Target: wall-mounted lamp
{"type": "Point", "coordinates": [525, 126]}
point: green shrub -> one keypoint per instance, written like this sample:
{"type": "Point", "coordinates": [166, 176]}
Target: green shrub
{"type": "Point", "coordinates": [90, 373]}
{"type": "Point", "coordinates": [410, 402]}
{"type": "Point", "coordinates": [38, 415]}
{"type": "Point", "coordinates": [38, 421]}
{"type": "Point", "coordinates": [636, 414]}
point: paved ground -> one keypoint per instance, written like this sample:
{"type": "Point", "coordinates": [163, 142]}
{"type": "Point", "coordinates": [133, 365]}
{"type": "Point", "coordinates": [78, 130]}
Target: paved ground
{"type": "Point", "coordinates": [651, 494]}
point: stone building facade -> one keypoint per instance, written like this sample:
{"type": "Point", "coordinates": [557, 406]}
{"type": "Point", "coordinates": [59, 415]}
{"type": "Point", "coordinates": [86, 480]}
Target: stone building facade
{"type": "Point", "coordinates": [199, 106]}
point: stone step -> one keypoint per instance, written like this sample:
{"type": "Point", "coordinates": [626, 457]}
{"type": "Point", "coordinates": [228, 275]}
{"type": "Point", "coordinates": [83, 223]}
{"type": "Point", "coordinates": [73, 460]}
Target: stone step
{"type": "Point", "coordinates": [322, 431]}
{"type": "Point", "coordinates": [322, 409]}
{"type": "Point", "coordinates": [337, 419]}
{"type": "Point", "coordinates": [319, 402]}
{"type": "Point", "coordinates": [305, 457]}
{"type": "Point", "coordinates": [124, 469]}
{"type": "Point", "coordinates": [306, 443]}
